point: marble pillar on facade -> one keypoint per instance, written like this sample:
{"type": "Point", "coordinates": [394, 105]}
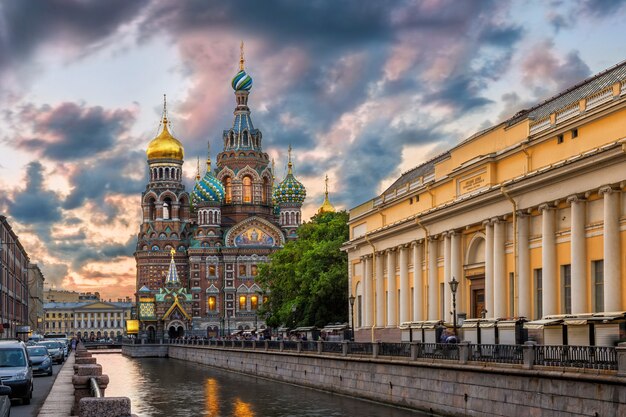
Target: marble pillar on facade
{"type": "Point", "coordinates": [612, 252]}
{"type": "Point", "coordinates": [499, 269]}
{"type": "Point", "coordinates": [548, 260]}
{"type": "Point", "coordinates": [523, 267]}
{"type": "Point", "coordinates": [433, 281]}
{"type": "Point", "coordinates": [392, 289]}
{"type": "Point", "coordinates": [578, 257]}
{"type": "Point", "coordinates": [456, 270]}
{"type": "Point", "coordinates": [418, 282]}
{"type": "Point", "coordinates": [405, 302]}
{"type": "Point", "coordinates": [368, 300]}
{"type": "Point", "coordinates": [380, 290]}
{"type": "Point", "coordinates": [447, 294]}
{"type": "Point", "coordinates": [489, 268]}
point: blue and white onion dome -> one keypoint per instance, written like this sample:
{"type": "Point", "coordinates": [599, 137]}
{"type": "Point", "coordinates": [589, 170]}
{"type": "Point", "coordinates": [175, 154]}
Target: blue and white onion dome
{"type": "Point", "coordinates": [208, 189]}
{"type": "Point", "coordinates": [290, 191]}
{"type": "Point", "coordinates": [242, 81]}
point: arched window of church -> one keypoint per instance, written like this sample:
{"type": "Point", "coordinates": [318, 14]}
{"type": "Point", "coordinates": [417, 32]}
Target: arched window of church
{"type": "Point", "coordinates": [228, 188]}
{"type": "Point", "coordinates": [167, 208]}
{"type": "Point", "coordinates": [151, 209]}
{"type": "Point", "coordinates": [297, 218]}
{"type": "Point", "coordinates": [232, 140]}
{"type": "Point", "coordinates": [160, 173]}
{"type": "Point", "coordinates": [254, 302]}
{"type": "Point", "coordinates": [247, 189]}
{"type": "Point", "coordinates": [212, 303]}
{"type": "Point", "coordinates": [245, 138]}
{"type": "Point", "coordinates": [210, 217]}
{"type": "Point", "coordinates": [167, 173]}
{"type": "Point", "coordinates": [242, 302]}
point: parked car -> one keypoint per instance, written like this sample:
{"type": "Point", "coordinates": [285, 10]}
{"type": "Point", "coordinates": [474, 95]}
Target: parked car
{"type": "Point", "coordinates": [5, 401]}
{"type": "Point", "coordinates": [55, 349]}
{"type": "Point", "coordinates": [16, 370]}
{"type": "Point", "coordinates": [40, 359]}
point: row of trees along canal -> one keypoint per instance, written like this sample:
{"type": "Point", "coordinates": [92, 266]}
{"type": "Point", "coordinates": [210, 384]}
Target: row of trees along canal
{"type": "Point", "coordinates": [307, 280]}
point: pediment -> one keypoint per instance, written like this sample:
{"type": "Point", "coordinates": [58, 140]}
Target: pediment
{"type": "Point", "coordinates": [253, 232]}
{"type": "Point", "coordinates": [98, 305]}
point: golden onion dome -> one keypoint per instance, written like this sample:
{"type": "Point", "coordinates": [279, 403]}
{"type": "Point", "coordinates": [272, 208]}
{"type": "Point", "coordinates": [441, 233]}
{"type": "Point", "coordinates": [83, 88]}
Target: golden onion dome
{"type": "Point", "coordinates": [326, 207]}
{"type": "Point", "coordinates": [165, 145]}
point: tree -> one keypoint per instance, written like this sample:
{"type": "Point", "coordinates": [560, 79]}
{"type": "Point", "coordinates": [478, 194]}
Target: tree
{"type": "Point", "coordinates": [307, 280]}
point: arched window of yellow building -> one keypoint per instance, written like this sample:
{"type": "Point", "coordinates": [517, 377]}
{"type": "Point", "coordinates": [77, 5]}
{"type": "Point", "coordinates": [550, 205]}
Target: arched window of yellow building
{"type": "Point", "coordinates": [247, 190]}
{"type": "Point", "coordinates": [212, 303]}
{"type": "Point", "coordinates": [242, 302]}
{"type": "Point", "coordinates": [254, 302]}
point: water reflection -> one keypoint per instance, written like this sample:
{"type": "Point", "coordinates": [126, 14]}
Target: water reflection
{"type": "Point", "coordinates": [170, 387]}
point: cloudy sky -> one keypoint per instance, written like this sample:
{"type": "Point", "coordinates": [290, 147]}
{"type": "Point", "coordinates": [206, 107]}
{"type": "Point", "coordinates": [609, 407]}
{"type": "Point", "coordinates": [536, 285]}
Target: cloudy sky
{"type": "Point", "coordinates": [362, 90]}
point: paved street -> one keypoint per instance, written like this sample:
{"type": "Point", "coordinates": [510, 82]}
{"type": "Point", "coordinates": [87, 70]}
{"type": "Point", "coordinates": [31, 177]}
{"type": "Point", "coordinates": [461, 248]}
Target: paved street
{"type": "Point", "coordinates": [42, 385]}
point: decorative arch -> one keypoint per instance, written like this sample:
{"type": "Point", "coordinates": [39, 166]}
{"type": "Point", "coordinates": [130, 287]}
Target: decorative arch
{"type": "Point", "coordinates": [255, 288]}
{"type": "Point", "coordinates": [243, 289]}
{"type": "Point", "coordinates": [247, 171]}
{"type": "Point", "coordinates": [226, 172]}
{"type": "Point", "coordinates": [264, 230]}
{"type": "Point", "coordinates": [212, 290]}
{"type": "Point", "coordinates": [167, 193]}
{"type": "Point", "coordinates": [476, 249]}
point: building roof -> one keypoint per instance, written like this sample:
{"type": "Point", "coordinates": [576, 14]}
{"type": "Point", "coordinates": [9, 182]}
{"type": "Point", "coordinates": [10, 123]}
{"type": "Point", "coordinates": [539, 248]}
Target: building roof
{"type": "Point", "coordinates": [73, 305]}
{"type": "Point", "coordinates": [413, 174]}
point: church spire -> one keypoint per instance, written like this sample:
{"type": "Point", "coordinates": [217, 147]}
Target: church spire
{"type": "Point", "coordinates": [242, 61]}
{"type": "Point", "coordinates": [208, 157]}
{"type": "Point", "coordinates": [326, 207]}
{"type": "Point", "coordinates": [172, 274]}
{"type": "Point", "coordinates": [198, 170]}
{"type": "Point", "coordinates": [289, 164]}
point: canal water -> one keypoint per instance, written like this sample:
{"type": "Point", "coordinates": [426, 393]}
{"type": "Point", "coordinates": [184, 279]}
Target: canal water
{"type": "Point", "coordinates": [171, 387]}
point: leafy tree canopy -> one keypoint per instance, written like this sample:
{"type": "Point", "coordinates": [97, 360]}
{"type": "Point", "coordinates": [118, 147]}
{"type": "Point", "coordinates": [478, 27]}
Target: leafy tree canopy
{"type": "Point", "coordinates": [307, 280]}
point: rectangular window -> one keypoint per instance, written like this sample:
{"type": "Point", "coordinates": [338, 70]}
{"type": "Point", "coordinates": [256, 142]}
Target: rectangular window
{"type": "Point", "coordinates": [538, 293]}
{"type": "Point", "coordinates": [559, 139]}
{"type": "Point", "coordinates": [511, 294]}
{"type": "Point", "coordinates": [574, 133]}
{"type": "Point", "coordinates": [597, 272]}
{"type": "Point", "coordinates": [566, 289]}
{"type": "Point", "coordinates": [242, 270]}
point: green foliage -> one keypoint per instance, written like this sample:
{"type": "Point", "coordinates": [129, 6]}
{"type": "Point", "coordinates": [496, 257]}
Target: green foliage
{"type": "Point", "coordinates": [307, 280]}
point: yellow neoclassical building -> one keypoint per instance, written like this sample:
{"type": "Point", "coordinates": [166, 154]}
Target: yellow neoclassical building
{"type": "Point", "coordinates": [528, 215]}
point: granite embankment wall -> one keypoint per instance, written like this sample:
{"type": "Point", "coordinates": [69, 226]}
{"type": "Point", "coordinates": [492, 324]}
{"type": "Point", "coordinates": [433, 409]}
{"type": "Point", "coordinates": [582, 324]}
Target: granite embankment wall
{"type": "Point", "coordinates": [444, 388]}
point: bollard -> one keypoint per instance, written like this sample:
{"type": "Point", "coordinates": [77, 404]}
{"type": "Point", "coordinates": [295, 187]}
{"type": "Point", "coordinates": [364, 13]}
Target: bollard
{"type": "Point", "coordinates": [621, 359]}
{"type": "Point", "coordinates": [254, 344]}
{"type": "Point", "coordinates": [463, 352]}
{"type": "Point", "coordinates": [266, 345]}
{"type": "Point", "coordinates": [104, 407]}
{"type": "Point", "coordinates": [529, 355]}
{"type": "Point", "coordinates": [281, 345]}
{"type": "Point", "coordinates": [344, 348]}
{"type": "Point", "coordinates": [320, 347]}
{"type": "Point", "coordinates": [81, 382]}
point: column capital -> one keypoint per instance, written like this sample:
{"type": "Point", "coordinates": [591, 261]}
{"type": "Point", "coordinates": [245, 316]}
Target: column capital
{"type": "Point", "coordinates": [545, 206]}
{"type": "Point", "coordinates": [575, 198]}
{"type": "Point", "coordinates": [608, 189]}
{"type": "Point", "coordinates": [433, 238]}
{"type": "Point", "coordinates": [488, 222]}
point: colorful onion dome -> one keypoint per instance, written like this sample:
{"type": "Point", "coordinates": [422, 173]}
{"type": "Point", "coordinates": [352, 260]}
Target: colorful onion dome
{"type": "Point", "coordinates": [290, 190]}
{"type": "Point", "coordinates": [242, 81]}
{"type": "Point", "coordinates": [165, 145]}
{"type": "Point", "coordinates": [208, 189]}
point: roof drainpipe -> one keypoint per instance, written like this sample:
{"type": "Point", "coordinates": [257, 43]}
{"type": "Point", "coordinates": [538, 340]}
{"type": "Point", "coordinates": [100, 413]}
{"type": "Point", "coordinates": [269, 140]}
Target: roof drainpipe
{"type": "Point", "coordinates": [367, 239]}
{"type": "Point", "coordinates": [528, 160]}
{"type": "Point", "coordinates": [515, 250]}
{"type": "Point", "coordinates": [425, 272]}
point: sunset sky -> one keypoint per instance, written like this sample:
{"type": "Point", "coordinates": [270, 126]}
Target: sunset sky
{"type": "Point", "coordinates": [362, 90]}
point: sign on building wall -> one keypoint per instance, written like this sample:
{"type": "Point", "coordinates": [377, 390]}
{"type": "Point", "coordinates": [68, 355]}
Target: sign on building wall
{"type": "Point", "coordinates": [472, 182]}
{"type": "Point", "coordinates": [132, 326]}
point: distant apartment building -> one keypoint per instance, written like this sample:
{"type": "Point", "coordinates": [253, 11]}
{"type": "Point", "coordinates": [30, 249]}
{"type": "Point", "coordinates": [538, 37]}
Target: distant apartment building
{"type": "Point", "coordinates": [528, 217]}
{"type": "Point", "coordinates": [35, 298]}
{"type": "Point", "coordinates": [14, 263]}
{"type": "Point", "coordinates": [64, 296]}
{"type": "Point", "coordinates": [88, 320]}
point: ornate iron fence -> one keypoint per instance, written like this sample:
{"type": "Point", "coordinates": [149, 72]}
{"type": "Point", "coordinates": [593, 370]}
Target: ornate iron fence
{"type": "Point", "coordinates": [590, 357]}
{"type": "Point", "coordinates": [332, 347]}
{"type": "Point", "coordinates": [496, 353]}
{"type": "Point", "coordinates": [356, 348]}
{"type": "Point", "coordinates": [438, 351]}
{"type": "Point", "coordinates": [394, 349]}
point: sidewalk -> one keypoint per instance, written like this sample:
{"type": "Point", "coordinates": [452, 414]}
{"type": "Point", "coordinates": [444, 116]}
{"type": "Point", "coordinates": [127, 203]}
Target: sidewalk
{"type": "Point", "coordinates": [61, 396]}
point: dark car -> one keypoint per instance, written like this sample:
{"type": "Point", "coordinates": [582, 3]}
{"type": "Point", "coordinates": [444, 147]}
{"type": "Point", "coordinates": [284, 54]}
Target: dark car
{"type": "Point", "coordinates": [5, 401]}
{"type": "Point", "coordinates": [55, 349]}
{"type": "Point", "coordinates": [40, 359]}
{"type": "Point", "coordinates": [15, 370]}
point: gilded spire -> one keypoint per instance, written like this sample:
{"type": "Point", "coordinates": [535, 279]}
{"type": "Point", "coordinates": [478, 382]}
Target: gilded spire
{"type": "Point", "coordinates": [198, 171]}
{"type": "Point", "coordinates": [241, 59]}
{"type": "Point", "coordinates": [273, 171]}
{"type": "Point", "coordinates": [164, 111]}
{"type": "Point", "coordinates": [326, 207]}
{"type": "Point", "coordinates": [208, 157]}
{"type": "Point", "coordinates": [289, 164]}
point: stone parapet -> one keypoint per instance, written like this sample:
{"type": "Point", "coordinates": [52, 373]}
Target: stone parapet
{"type": "Point", "coordinates": [104, 407]}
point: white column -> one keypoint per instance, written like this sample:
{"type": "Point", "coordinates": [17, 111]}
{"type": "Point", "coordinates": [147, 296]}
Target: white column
{"type": "Point", "coordinates": [392, 289]}
{"type": "Point", "coordinates": [368, 301]}
{"type": "Point", "coordinates": [122, 321]}
{"type": "Point", "coordinates": [578, 257]}
{"type": "Point", "coordinates": [405, 304]}
{"type": "Point", "coordinates": [523, 265]}
{"type": "Point", "coordinates": [548, 260]}
{"type": "Point", "coordinates": [109, 319]}
{"type": "Point", "coordinates": [418, 282]}
{"type": "Point", "coordinates": [489, 268]}
{"type": "Point", "coordinates": [612, 253]}
{"type": "Point", "coordinates": [89, 320]}
{"type": "Point", "coordinates": [456, 270]}
{"type": "Point", "coordinates": [75, 321]}
{"type": "Point", "coordinates": [433, 281]}
{"type": "Point", "coordinates": [499, 270]}
{"type": "Point", "coordinates": [380, 291]}
{"type": "Point", "coordinates": [447, 294]}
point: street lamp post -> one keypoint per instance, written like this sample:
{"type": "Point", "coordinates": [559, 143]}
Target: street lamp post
{"type": "Point", "coordinates": [454, 285]}
{"type": "Point", "coordinates": [351, 299]}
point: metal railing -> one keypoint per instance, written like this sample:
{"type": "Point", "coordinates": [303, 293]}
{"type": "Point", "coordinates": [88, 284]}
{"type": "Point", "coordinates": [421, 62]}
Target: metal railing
{"type": "Point", "coordinates": [589, 357]}
{"type": "Point", "coordinates": [585, 357]}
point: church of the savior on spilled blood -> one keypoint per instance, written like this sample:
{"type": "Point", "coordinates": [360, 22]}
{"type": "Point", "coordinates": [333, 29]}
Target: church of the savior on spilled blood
{"type": "Point", "coordinates": [198, 253]}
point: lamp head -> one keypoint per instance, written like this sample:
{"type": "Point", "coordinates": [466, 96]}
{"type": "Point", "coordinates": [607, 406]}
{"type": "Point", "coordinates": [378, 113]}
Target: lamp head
{"type": "Point", "coordinates": [454, 285]}
{"type": "Point", "coordinates": [351, 299]}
